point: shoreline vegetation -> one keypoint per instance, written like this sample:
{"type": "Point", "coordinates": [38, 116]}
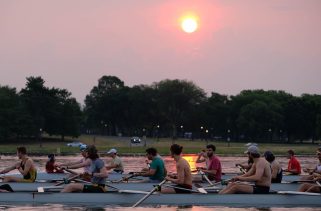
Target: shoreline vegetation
{"type": "Point", "coordinates": [48, 145]}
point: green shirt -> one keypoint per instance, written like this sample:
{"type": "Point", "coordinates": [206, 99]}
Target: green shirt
{"type": "Point", "coordinates": [158, 165]}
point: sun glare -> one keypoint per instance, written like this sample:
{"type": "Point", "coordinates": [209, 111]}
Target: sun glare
{"type": "Point", "coordinates": [189, 25]}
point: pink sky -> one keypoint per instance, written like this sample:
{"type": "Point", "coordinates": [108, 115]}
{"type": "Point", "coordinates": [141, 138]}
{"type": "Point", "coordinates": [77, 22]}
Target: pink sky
{"type": "Point", "coordinates": [248, 44]}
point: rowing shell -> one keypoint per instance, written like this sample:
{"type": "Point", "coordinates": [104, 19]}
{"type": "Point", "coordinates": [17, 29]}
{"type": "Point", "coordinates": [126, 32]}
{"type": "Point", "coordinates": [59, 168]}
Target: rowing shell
{"type": "Point", "coordinates": [114, 177]}
{"type": "Point", "coordinates": [127, 199]}
{"type": "Point", "coordinates": [136, 186]}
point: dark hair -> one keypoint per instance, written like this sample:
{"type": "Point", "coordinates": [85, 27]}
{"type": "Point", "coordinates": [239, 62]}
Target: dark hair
{"type": "Point", "coordinates": [176, 149]}
{"type": "Point", "coordinates": [151, 151]}
{"type": "Point", "coordinates": [51, 157]}
{"type": "Point", "coordinates": [255, 155]}
{"type": "Point", "coordinates": [22, 150]}
{"type": "Point", "coordinates": [291, 152]}
{"type": "Point", "coordinates": [269, 156]}
{"type": "Point", "coordinates": [211, 146]}
{"type": "Point", "coordinates": [92, 152]}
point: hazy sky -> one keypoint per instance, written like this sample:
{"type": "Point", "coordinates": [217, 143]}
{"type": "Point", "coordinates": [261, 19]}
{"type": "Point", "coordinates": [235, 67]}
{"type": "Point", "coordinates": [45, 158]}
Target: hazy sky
{"type": "Point", "coordinates": [240, 44]}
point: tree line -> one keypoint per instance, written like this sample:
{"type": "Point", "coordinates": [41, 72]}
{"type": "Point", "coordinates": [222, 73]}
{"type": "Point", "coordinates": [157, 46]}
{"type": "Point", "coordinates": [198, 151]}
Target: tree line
{"type": "Point", "coordinates": [168, 108]}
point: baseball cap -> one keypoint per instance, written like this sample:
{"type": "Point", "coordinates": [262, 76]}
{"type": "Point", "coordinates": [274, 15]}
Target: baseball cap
{"type": "Point", "coordinates": [112, 151]}
{"type": "Point", "coordinates": [250, 144]}
{"type": "Point", "coordinates": [83, 147]}
{"type": "Point", "coordinates": [252, 149]}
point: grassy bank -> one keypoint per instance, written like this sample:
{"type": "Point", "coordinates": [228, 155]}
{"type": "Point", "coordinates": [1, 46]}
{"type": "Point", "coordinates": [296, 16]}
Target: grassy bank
{"type": "Point", "coordinates": [122, 144]}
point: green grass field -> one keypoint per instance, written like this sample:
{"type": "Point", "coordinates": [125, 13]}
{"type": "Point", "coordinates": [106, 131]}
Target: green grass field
{"type": "Point", "coordinates": [122, 144]}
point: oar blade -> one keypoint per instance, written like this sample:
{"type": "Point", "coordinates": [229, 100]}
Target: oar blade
{"type": "Point", "coordinates": [202, 190]}
{"type": "Point", "coordinates": [41, 189]}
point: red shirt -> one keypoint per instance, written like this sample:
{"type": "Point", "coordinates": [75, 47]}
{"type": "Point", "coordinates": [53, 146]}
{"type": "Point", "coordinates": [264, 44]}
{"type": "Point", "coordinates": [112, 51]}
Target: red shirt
{"type": "Point", "coordinates": [294, 164]}
{"type": "Point", "coordinates": [214, 163]}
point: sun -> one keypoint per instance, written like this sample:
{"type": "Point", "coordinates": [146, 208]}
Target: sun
{"type": "Point", "coordinates": [189, 25]}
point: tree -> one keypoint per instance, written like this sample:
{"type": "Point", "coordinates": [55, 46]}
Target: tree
{"type": "Point", "coordinates": [176, 99]}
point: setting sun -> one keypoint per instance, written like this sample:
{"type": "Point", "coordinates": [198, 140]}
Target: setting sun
{"type": "Point", "coordinates": [189, 25]}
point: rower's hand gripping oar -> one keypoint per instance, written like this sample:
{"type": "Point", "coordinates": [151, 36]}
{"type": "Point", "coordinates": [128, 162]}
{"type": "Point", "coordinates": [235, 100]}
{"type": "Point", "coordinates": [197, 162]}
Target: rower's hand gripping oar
{"type": "Point", "coordinates": [241, 168]}
{"type": "Point", "coordinates": [205, 176]}
{"type": "Point", "coordinates": [150, 193]}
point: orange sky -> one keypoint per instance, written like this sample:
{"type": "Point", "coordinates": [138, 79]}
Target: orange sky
{"type": "Point", "coordinates": [248, 44]}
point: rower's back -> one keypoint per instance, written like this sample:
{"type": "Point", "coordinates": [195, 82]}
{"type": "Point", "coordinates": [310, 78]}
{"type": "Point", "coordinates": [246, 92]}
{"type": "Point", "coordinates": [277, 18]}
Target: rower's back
{"type": "Point", "coordinates": [184, 170]}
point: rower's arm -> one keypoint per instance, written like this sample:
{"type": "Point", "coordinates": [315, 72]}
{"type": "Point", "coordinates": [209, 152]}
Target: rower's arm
{"type": "Point", "coordinates": [249, 173]}
{"type": "Point", "coordinates": [200, 158]}
{"type": "Point", "coordinates": [6, 170]}
{"type": "Point", "coordinates": [150, 172]}
{"type": "Point", "coordinates": [79, 165]}
{"type": "Point", "coordinates": [25, 171]}
{"type": "Point", "coordinates": [259, 170]}
{"type": "Point", "coordinates": [274, 171]}
{"type": "Point", "coordinates": [102, 173]}
{"type": "Point", "coordinates": [213, 171]}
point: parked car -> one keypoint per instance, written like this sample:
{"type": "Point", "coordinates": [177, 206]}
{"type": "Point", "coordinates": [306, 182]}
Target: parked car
{"type": "Point", "coordinates": [135, 140]}
{"type": "Point", "coordinates": [76, 144]}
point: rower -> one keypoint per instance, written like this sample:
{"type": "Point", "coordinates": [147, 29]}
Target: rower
{"type": "Point", "coordinates": [276, 168]}
{"type": "Point", "coordinates": [312, 187]}
{"type": "Point", "coordinates": [98, 175]}
{"type": "Point", "coordinates": [26, 167]}
{"type": "Point", "coordinates": [183, 180]}
{"type": "Point", "coordinates": [84, 163]}
{"type": "Point", "coordinates": [316, 170]}
{"type": "Point", "coordinates": [51, 166]}
{"type": "Point", "coordinates": [116, 163]}
{"type": "Point", "coordinates": [294, 166]}
{"type": "Point", "coordinates": [260, 173]}
{"type": "Point", "coordinates": [213, 164]}
{"type": "Point", "coordinates": [248, 166]}
{"type": "Point", "coordinates": [157, 170]}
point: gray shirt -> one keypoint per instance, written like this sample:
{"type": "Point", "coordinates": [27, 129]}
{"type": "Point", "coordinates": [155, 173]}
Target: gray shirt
{"type": "Point", "coordinates": [95, 167]}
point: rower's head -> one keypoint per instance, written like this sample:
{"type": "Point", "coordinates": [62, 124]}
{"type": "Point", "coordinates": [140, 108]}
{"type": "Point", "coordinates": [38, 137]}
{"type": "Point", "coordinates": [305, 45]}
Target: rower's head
{"type": "Point", "coordinates": [112, 153]}
{"type": "Point", "coordinates": [83, 150]}
{"type": "Point", "coordinates": [51, 157]}
{"type": "Point", "coordinates": [253, 152]}
{"type": "Point", "coordinates": [290, 153]}
{"type": "Point", "coordinates": [21, 152]}
{"type": "Point", "coordinates": [210, 150]}
{"type": "Point", "coordinates": [176, 150]}
{"type": "Point", "coordinates": [151, 153]}
{"type": "Point", "coordinates": [269, 156]}
{"type": "Point", "coordinates": [92, 152]}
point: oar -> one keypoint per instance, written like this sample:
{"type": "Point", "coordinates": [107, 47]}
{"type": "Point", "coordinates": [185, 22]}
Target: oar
{"type": "Point", "coordinates": [199, 190]}
{"type": "Point", "coordinates": [299, 193]}
{"type": "Point", "coordinates": [42, 189]}
{"type": "Point", "coordinates": [124, 178]}
{"type": "Point", "coordinates": [206, 178]}
{"type": "Point", "coordinates": [318, 183]}
{"type": "Point", "coordinates": [150, 193]}
{"type": "Point", "coordinates": [241, 168]}
{"type": "Point", "coordinates": [297, 181]}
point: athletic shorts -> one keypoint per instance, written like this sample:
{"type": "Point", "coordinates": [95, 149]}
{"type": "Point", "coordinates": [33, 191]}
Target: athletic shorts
{"type": "Point", "coordinates": [257, 189]}
{"type": "Point", "coordinates": [183, 191]}
{"type": "Point", "coordinates": [94, 189]}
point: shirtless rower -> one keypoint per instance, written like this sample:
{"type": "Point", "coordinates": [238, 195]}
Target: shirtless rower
{"type": "Point", "coordinates": [184, 176]}
{"type": "Point", "coordinates": [213, 164]}
{"type": "Point", "coordinates": [260, 174]}
{"type": "Point", "coordinates": [98, 174]}
{"type": "Point", "coordinates": [26, 167]}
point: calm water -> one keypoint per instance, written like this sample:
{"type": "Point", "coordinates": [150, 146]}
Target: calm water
{"type": "Point", "coordinates": [135, 163]}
